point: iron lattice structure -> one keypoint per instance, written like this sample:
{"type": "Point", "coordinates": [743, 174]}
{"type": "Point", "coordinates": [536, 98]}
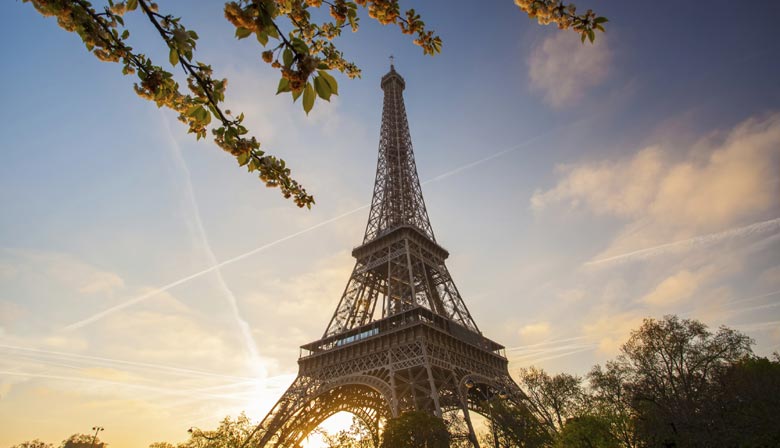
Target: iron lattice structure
{"type": "Point", "coordinates": [401, 337]}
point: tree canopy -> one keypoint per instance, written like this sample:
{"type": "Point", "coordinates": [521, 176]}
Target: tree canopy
{"type": "Point", "coordinates": [292, 41]}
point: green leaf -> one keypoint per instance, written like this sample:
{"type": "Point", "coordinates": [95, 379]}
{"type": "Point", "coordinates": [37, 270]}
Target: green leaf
{"type": "Point", "coordinates": [284, 86]}
{"type": "Point", "coordinates": [125, 34]}
{"type": "Point", "coordinates": [287, 57]}
{"type": "Point", "coordinates": [600, 20]}
{"type": "Point", "coordinates": [262, 38]}
{"type": "Point", "coordinates": [243, 158]}
{"type": "Point", "coordinates": [308, 98]}
{"type": "Point", "coordinates": [591, 35]}
{"type": "Point", "coordinates": [322, 88]}
{"type": "Point", "coordinates": [131, 5]}
{"type": "Point", "coordinates": [242, 32]}
{"type": "Point", "coordinates": [295, 94]}
{"type": "Point", "coordinates": [192, 111]}
{"type": "Point", "coordinates": [334, 86]}
{"type": "Point", "coordinates": [173, 56]}
{"type": "Point", "coordinates": [300, 46]}
{"type": "Point", "coordinates": [582, 37]}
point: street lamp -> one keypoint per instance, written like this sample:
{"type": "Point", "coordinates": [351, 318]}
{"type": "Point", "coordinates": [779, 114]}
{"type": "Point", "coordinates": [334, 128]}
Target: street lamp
{"type": "Point", "coordinates": [97, 429]}
{"type": "Point", "coordinates": [487, 395]}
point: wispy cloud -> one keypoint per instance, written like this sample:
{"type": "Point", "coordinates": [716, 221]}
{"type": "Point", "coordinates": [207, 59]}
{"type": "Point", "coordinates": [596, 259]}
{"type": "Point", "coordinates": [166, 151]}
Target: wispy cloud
{"type": "Point", "coordinates": [563, 70]}
{"type": "Point", "coordinates": [700, 241]}
{"type": "Point", "coordinates": [672, 194]}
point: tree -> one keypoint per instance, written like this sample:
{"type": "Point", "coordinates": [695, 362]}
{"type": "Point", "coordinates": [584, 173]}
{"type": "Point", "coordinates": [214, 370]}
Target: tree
{"type": "Point", "coordinates": [415, 429]}
{"type": "Point", "coordinates": [299, 47]}
{"type": "Point", "coordinates": [515, 425]}
{"type": "Point", "coordinates": [83, 441]}
{"type": "Point", "coordinates": [554, 399]}
{"type": "Point", "coordinates": [747, 404]}
{"type": "Point", "coordinates": [33, 444]}
{"type": "Point", "coordinates": [588, 431]}
{"type": "Point", "coordinates": [610, 399]}
{"type": "Point", "coordinates": [672, 367]}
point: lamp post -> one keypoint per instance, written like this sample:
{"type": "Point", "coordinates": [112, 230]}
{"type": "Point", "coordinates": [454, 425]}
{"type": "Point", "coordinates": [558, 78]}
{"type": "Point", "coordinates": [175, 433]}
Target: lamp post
{"type": "Point", "coordinates": [97, 429]}
{"type": "Point", "coordinates": [486, 395]}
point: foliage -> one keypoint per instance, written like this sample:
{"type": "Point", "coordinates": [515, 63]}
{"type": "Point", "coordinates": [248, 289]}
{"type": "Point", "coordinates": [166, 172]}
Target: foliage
{"type": "Point", "coordinates": [675, 383]}
{"type": "Point", "coordinates": [83, 441]}
{"type": "Point", "coordinates": [458, 429]}
{"type": "Point", "coordinates": [33, 444]}
{"type": "Point", "coordinates": [415, 429]}
{"type": "Point", "coordinates": [514, 425]}
{"type": "Point", "coordinates": [610, 399]}
{"type": "Point", "coordinates": [565, 16]}
{"type": "Point", "coordinates": [587, 431]}
{"type": "Point", "coordinates": [229, 434]}
{"type": "Point", "coordinates": [747, 404]}
{"type": "Point", "coordinates": [294, 43]}
{"type": "Point", "coordinates": [554, 399]}
{"type": "Point", "coordinates": [673, 367]}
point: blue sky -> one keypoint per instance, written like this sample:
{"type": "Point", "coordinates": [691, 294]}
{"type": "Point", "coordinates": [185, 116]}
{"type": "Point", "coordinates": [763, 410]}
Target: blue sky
{"type": "Point", "coordinates": [656, 150]}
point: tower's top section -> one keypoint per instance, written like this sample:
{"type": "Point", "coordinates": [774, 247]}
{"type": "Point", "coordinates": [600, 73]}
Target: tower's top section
{"type": "Point", "coordinates": [393, 76]}
{"type": "Point", "coordinates": [398, 200]}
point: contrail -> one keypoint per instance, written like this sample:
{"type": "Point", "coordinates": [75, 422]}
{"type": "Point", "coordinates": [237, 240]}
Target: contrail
{"type": "Point", "coordinates": [159, 367]}
{"type": "Point", "coordinates": [160, 390]}
{"type": "Point", "coordinates": [562, 348]}
{"type": "Point", "coordinates": [547, 358]}
{"type": "Point", "coordinates": [544, 343]}
{"type": "Point", "coordinates": [216, 266]}
{"type": "Point", "coordinates": [743, 300]}
{"type": "Point", "coordinates": [205, 271]}
{"type": "Point", "coordinates": [243, 325]}
{"type": "Point", "coordinates": [690, 243]}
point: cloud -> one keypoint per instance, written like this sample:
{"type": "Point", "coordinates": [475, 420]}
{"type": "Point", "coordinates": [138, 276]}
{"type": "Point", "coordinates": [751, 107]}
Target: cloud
{"type": "Point", "coordinates": [670, 194]}
{"type": "Point", "coordinates": [102, 283]}
{"type": "Point", "coordinates": [535, 330]}
{"type": "Point", "coordinates": [611, 330]}
{"type": "Point", "coordinates": [673, 289]}
{"type": "Point", "coordinates": [563, 69]}
{"type": "Point", "coordinates": [69, 272]}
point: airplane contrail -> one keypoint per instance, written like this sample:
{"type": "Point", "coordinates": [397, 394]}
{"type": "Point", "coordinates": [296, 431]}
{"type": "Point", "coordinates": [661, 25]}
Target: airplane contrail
{"type": "Point", "coordinates": [547, 358]}
{"type": "Point", "coordinates": [205, 271]}
{"type": "Point", "coordinates": [154, 292]}
{"type": "Point", "coordinates": [99, 359]}
{"type": "Point", "coordinates": [544, 343]}
{"type": "Point", "coordinates": [696, 241]}
{"type": "Point", "coordinates": [241, 323]}
{"type": "Point", "coordinates": [160, 390]}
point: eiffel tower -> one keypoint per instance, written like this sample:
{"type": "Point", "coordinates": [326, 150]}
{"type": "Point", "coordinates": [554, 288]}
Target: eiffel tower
{"type": "Point", "coordinates": [401, 337]}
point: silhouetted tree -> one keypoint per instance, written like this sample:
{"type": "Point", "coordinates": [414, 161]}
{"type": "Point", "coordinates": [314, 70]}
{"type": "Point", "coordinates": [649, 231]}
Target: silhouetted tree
{"type": "Point", "coordinates": [83, 441]}
{"type": "Point", "coordinates": [674, 365]}
{"type": "Point", "coordinates": [588, 431]}
{"type": "Point", "coordinates": [415, 429]}
{"type": "Point", "coordinates": [33, 444]}
{"type": "Point", "coordinates": [554, 399]}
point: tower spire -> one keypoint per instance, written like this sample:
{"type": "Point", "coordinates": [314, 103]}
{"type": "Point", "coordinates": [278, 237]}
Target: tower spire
{"type": "Point", "coordinates": [399, 265]}
{"type": "Point", "coordinates": [397, 199]}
